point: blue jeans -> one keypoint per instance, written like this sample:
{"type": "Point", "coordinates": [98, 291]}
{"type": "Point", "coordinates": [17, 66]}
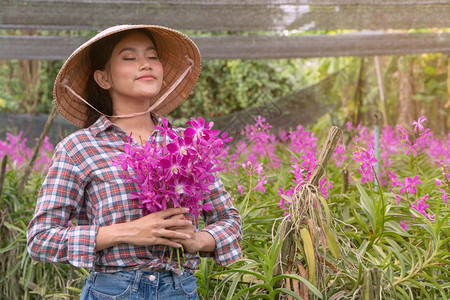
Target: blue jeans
{"type": "Point", "coordinates": [140, 285]}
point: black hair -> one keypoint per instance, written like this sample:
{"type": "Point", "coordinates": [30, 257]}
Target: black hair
{"type": "Point", "coordinates": [99, 54]}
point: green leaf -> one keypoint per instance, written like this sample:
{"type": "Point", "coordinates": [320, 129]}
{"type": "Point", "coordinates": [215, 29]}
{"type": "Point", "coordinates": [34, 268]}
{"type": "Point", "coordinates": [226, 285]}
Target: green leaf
{"type": "Point", "coordinates": [436, 285]}
{"type": "Point", "coordinates": [260, 296]}
{"type": "Point", "coordinates": [357, 217]}
{"type": "Point", "coordinates": [401, 290]}
{"type": "Point", "coordinates": [11, 226]}
{"type": "Point", "coordinates": [420, 286]}
{"type": "Point", "coordinates": [288, 292]}
{"type": "Point", "coordinates": [250, 289]}
{"type": "Point", "coordinates": [367, 204]}
{"type": "Point", "coordinates": [444, 242]}
{"type": "Point", "coordinates": [309, 253]}
{"type": "Point", "coordinates": [18, 243]}
{"type": "Point", "coordinates": [310, 286]}
{"type": "Point", "coordinates": [74, 289]}
{"type": "Point", "coordinates": [326, 208]}
{"type": "Point", "coordinates": [233, 286]}
{"type": "Point", "coordinates": [332, 244]}
{"type": "Point", "coordinates": [363, 247]}
{"type": "Point", "coordinates": [257, 275]}
{"type": "Point", "coordinates": [12, 271]}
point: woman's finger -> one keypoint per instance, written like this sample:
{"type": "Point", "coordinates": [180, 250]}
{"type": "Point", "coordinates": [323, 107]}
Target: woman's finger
{"type": "Point", "coordinates": [171, 212]}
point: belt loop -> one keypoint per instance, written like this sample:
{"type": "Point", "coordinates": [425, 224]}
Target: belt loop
{"type": "Point", "coordinates": [176, 280]}
{"type": "Point", "coordinates": [93, 275]}
{"type": "Point", "coordinates": [137, 279]}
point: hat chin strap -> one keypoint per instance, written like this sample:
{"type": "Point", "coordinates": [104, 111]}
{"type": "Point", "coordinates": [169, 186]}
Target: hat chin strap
{"type": "Point", "coordinates": [151, 108]}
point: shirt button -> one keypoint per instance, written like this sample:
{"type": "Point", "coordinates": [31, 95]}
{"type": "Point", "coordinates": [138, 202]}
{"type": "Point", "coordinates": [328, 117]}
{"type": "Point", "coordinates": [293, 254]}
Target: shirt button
{"type": "Point", "coordinates": [152, 277]}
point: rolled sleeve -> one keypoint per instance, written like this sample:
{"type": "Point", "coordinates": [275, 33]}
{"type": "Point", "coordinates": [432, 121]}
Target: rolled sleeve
{"type": "Point", "coordinates": [50, 238]}
{"type": "Point", "coordinates": [224, 224]}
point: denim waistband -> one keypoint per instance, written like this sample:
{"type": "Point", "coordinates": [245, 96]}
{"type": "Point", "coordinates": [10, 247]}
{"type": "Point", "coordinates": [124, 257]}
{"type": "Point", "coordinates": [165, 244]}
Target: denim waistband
{"type": "Point", "coordinates": [143, 276]}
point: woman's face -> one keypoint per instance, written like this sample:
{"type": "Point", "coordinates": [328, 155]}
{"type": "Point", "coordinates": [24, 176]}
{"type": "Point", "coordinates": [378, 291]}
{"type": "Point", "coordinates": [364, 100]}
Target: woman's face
{"type": "Point", "coordinates": [134, 72]}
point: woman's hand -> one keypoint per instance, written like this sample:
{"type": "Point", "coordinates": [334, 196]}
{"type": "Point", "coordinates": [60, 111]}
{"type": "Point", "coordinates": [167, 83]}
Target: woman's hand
{"type": "Point", "coordinates": [160, 228]}
{"type": "Point", "coordinates": [198, 241]}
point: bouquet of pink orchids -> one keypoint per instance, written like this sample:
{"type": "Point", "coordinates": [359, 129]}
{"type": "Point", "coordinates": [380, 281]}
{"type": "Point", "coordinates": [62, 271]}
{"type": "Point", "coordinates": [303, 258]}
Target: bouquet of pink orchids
{"type": "Point", "coordinates": [176, 171]}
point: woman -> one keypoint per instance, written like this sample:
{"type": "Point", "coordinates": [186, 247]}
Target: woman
{"type": "Point", "coordinates": [121, 82]}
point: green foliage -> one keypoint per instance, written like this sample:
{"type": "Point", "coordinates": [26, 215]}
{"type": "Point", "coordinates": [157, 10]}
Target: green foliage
{"type": "Point", "coordinates": [28, 85]}
{"type": "Point", "coordinates": [261, 282]}
{"type": "Point", "coordinates": [227, 86]}
{"type": "Point", "coordinates": [21, 277]}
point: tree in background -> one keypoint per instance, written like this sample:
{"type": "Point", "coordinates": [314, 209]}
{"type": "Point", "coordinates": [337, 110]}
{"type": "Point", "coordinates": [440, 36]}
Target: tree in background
{"type": "Point", "coordinates": [414, 85]}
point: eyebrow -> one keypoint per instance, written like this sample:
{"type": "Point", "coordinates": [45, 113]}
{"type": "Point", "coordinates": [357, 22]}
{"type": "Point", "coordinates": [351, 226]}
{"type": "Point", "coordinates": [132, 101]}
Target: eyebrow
{"type": "Point", "coordinates": [134, 49]}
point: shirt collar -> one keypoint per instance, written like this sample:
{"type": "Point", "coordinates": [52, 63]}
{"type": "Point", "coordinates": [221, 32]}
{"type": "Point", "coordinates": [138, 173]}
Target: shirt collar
{"type": "Point", "coordinates": [103, 123]}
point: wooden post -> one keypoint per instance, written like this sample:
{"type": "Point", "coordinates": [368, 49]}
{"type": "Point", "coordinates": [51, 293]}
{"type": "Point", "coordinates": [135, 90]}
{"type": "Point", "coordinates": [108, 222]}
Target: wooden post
{"type": "Point", "coordinates": [327, 152]}
{"type": "Point", "coordinates": [30, 165]}
{"type": "Point", "coordinates": [381, 90]}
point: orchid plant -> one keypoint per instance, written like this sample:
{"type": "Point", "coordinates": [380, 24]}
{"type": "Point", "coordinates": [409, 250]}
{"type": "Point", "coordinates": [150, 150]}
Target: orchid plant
{"type": "Point", "coordinates": [175, 172]}
{"type": "Point", "coordinates": [18, 153]}
{"type": "Point", "coordinates": [381, 200]}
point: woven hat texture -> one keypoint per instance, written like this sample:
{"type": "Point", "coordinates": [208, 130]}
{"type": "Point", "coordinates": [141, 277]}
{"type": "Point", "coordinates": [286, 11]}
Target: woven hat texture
{"type": "Point", "coordinates": [175, 50]}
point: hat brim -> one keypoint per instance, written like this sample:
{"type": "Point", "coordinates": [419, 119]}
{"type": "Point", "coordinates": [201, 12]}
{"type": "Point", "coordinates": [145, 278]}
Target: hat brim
{"type": "Point", "coordinates": [175, 50]}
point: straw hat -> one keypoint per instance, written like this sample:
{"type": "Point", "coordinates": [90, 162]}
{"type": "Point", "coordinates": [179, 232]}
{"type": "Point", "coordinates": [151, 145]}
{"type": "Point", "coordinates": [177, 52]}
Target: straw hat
{"type": "Point", "coordinates": [178, 54]}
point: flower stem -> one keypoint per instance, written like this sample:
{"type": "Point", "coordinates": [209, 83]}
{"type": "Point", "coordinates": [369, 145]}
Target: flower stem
{"type": "Point", "coordinates": [247, 197]}
{"type": "Point", "coordinates": [179, 261]}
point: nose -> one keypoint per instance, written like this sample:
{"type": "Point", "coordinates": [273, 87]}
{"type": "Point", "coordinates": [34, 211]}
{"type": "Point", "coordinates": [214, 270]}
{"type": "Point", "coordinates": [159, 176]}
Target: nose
{"type": "Point", "coordinates": [144, 64]}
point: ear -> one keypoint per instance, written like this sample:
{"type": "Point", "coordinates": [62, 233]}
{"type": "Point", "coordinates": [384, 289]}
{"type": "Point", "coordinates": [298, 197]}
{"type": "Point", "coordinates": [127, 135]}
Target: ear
{"type": "Point", "coordinates": [102, 79]}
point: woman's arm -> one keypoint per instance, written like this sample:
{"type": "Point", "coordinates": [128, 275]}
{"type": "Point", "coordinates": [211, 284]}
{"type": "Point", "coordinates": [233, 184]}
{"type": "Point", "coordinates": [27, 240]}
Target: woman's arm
{"type": "Point", "coordinates": [153, 229]}
{"type": "Point", "coordinates": [50, 238]}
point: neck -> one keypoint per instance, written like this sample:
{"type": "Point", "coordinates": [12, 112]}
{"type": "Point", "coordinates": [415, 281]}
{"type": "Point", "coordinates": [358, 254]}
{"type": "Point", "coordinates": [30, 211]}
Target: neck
{"type": "Point", "coordinates": [138, 124]}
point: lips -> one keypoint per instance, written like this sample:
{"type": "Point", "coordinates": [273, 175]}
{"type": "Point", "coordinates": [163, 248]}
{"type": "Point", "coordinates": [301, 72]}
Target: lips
{"type": "Point", "coordinates": [146, 77]}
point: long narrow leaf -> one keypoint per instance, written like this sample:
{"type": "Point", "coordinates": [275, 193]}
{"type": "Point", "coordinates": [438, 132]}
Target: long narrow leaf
{"type": "Point", "coordinates": [256, 274]}
{"type": "Point", "coordinates": [420, 286]}
{"type": "Point", "coordinates": [250, 289]}
{"type": "Point", "coordinates": [309, 253]}
{"type": "Point", "coordinates": [234, 283]}
{"type": "Point", "coordinates": [310, 286]}
{"type": "Point", "coordinates": [11, 226]}
{"type": "Point", "coordinates": [436, 285]}
{"type": "Point", "coordinates": [367, 204]}
{"type": "Point", "coordinates": [332, 244]}
{"type": "Point", "coordinates": [326, 208]}
{"type": "Point", "coordinates": [288, 292]}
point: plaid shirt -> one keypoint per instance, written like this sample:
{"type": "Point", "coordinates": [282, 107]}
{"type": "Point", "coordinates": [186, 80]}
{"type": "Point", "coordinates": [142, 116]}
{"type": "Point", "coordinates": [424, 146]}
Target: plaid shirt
{"type": "Point", "coordinates": [83, 186]}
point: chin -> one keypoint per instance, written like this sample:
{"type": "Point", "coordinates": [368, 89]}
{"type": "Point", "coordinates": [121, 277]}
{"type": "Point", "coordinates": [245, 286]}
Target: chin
{"type": "Point", "coordinates": [153, 98]}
